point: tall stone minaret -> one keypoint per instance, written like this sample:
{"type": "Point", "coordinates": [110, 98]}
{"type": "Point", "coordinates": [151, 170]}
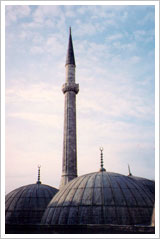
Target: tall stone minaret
{"type": "Point", "coordinates": [70, 89]}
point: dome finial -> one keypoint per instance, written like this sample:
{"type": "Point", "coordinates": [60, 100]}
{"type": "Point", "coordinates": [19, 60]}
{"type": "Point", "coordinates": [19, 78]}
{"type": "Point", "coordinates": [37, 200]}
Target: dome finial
{"type": "Point", "coordinates": [129, 171]}
{"type": "Point", "coordinates": [38, 181]}
{"type": "Point", "coordinates": [101, 169]}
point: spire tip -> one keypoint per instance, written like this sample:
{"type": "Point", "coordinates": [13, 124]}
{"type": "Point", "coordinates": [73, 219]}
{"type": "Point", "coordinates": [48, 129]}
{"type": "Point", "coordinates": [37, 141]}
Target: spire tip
{"type": "Point", "coordinates": [129, 171]}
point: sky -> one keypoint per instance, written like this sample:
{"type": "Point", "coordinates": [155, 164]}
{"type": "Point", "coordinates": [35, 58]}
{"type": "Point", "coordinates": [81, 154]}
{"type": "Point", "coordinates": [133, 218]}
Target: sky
{"type": "Point", "coordinates": [114, 53]}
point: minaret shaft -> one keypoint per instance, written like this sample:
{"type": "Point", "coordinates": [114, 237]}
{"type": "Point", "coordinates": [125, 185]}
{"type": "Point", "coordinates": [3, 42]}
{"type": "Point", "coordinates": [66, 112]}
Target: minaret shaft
{"type": "Point", "coordinates": [70, 89]}
{"type": "Point", "coordinates": [69, 141]}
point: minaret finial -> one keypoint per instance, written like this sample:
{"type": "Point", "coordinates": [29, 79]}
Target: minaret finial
{"type": "Point", "coordinates": [101, 169]}
{"type": "Point", "coordinates": [129, 171]}
{"type": "Point", "coordinates": [38, 181]}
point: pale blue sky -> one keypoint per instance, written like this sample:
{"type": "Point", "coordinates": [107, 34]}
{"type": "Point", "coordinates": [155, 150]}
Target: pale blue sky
{"type": "Point", "coordinates": [114, 52]}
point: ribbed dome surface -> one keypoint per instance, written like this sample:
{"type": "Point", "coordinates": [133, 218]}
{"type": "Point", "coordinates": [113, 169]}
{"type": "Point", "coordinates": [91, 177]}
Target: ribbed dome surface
{"type": "Point", "coordinates": [26, 205]}
{"type": "Point", "coordinates": [102, 198]}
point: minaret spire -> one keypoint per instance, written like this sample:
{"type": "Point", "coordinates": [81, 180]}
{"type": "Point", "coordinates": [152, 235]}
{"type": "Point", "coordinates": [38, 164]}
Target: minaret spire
{"type": "Point", "coordinates": [101, 169]}
{"type": "Point", "coordinates": [38, 181]}
{"type": "Point", "coordinates": [70, 53]}
{"type": "Point", "coordinates": [70, 89]}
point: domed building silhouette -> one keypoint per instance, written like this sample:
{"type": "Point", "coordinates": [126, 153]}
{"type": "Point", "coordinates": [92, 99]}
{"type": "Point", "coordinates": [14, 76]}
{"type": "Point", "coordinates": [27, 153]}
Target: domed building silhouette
{"type": "Point", "coordinates": [102, 198]}
{"type": "Point", "coordinates": [98, 202]}
{"type": "Point", "coordinates": [26, 205]}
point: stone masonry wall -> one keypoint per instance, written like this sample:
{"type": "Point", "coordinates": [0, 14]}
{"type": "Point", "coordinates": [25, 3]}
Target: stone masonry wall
{"type": "Point", "coordinates": [69, 161]}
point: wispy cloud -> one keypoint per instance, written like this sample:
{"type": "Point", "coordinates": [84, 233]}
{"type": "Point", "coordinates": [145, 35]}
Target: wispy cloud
{"type": "Point", "coordinates": [13, 13]}
{"type": "Point", "coordinates": [115, 104]}
{"type": "Point", "coordinates": [115, 37]}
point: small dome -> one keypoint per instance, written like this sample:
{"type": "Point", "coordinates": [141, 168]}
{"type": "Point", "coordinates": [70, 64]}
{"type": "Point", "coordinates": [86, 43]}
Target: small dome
{"type": "Point", "coordinates": [102, 198]}
{"type": "Point", "coordinates": [26, 205]}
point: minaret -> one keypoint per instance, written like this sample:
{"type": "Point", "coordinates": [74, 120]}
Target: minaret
{"type": "Point", "coordinates": [70, 89]}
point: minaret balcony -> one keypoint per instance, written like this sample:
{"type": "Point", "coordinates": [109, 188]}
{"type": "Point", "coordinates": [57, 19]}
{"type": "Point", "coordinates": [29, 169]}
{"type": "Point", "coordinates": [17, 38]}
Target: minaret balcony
{"type": "Point", "coordinates": [70, 87]}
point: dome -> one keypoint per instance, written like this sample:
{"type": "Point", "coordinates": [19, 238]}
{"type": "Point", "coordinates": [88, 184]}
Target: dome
{"type": "Point", "coordinates": [102, 198]}
{"type": "Point", "coordinates": [26, 205]}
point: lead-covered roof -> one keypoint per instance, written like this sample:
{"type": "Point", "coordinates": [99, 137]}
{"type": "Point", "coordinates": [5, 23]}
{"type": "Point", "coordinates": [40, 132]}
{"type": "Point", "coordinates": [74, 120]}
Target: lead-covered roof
{"type": "Point", "coordinates": [26, 205]}
{"type": "Point", "coordinates": [102, 198]}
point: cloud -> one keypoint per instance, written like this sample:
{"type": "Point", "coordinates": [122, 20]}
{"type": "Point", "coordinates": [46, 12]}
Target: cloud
{"type": "Point", "coordinates": [47, 120]}
{"type": "Point", "coordinates": [104, 103]}
{"type": "Point", "coordinates": [43, 12]}
{"type": "Point", "coordinates": [52, 44]}
{"type": "Point", "coordinates": [87, 29]}
{"type": "Point", "coordinates": [135, 59]}
{"type": "Point", "coordinates": [70, 11]}
{"type": "Point", "coordinates": [142, 35]}
{"type": "Point", "coordinates": [45, 17]}
{"type": "Point", "coordinates": [148, 18]}
{"type": "Point", "coordinates": [115, 104]}
{"type": "Point", "coordinates": [115, 37]}
{"type": "Point", "coordinates": [34, 93]}
{"type": "Point", "coordinates": [124, 46]}
{"type": "Point", "coordinates": [123, 142]}
{"type": "Point", "coordinates": [37, 50]}
{"type": "Point", "coordinates": [31, 25]}
{"type": "Point", "coordinates": [13, 13]}
{"type": "Point", "coordinates": [24, 35]}
{"type": "Point", "coordinates": [24, 164]}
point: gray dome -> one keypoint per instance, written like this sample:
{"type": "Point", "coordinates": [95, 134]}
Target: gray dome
{"type": "Point", "coordinates": [26, 205]}
{"type": "Point", "coordinates": [102, 198]}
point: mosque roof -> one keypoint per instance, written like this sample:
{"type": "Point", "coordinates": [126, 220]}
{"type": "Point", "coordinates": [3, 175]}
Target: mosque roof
{"type": "Point", "coordinates": [26, 204]}
{"type": "Point", "coordinates": [102, 198]}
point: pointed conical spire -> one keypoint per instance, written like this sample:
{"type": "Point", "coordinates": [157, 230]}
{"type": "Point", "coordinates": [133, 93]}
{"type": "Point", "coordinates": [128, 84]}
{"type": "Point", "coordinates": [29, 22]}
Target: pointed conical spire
{"type": "Point", "coordinates": [70, 53]}
{"type": "Point", "coordinates": [129, 171]}
{"type": "Point", "coordinates": [38, 181]}
{"type": "Point", "coordinates": [101, 169]}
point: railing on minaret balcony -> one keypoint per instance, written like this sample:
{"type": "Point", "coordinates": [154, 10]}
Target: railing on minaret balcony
{"type": "Point", "coordinates": [70, 87]}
